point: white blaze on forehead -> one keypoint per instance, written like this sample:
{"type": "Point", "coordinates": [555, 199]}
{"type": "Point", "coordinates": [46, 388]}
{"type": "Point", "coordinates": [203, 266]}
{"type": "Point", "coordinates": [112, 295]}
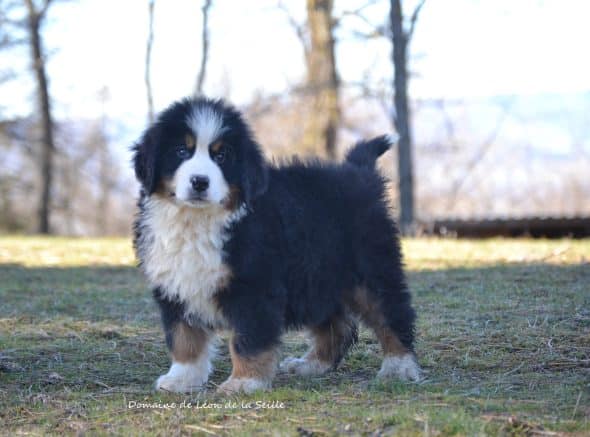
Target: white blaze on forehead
{"type": "Point", "coordinates": [207, 125]}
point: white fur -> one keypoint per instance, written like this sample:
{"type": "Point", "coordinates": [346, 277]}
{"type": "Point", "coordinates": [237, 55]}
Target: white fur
{"type": "Point", "coordinates": [206, 124]}
{"type": "Point", "coordinates": [304, 366]}
{"type": "Point", "coordinates": [181, 250]}
{"type": "Point", "coordinates": [245, 385]}
{"type": "Point", "coordinates": [186, 377]}
{"type": "Point", "coordinates": [393, 138]}
{"type": "Point", "coordinates": [200, 164]}
{"type": "Point", "coordinates": [307, 365]}
{"type": "Point", "coordinates": [404, 367]}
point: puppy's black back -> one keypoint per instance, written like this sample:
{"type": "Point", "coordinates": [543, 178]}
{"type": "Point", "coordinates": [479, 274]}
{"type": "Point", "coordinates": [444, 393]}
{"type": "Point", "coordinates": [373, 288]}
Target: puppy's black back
{"type": "Point", "coordinates": [320, 233]}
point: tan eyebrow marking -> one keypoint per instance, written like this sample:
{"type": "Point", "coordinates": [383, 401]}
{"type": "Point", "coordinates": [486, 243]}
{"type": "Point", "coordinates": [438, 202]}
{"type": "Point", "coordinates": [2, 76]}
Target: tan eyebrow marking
{"type": "Point", "coordinates": [190, 141]}
{"type": "Point", "coordinates": [216, 146]}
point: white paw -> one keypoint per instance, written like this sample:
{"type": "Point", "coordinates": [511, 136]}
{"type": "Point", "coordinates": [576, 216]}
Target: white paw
{"type": "Point", "coordinates": [304, 366]}
{"type": "Point", "coordinates": [184, 378]}
{"type": "Point", "coordinates": [243, 385]}
{"type": "Point", "coordinates": [404, 367]}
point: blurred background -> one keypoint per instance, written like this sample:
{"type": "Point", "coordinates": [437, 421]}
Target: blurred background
{"type": "Point", "coordinates": [491, 100]}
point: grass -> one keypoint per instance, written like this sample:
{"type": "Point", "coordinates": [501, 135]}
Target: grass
{"type": "Point", "coordinates": [503, 335]}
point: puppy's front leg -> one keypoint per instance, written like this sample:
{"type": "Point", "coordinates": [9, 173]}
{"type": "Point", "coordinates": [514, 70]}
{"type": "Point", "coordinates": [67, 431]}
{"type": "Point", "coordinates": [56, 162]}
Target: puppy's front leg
{"type": "Point", "coordinates": [251, 371]}
{"type": "Point", "coordinates": [191, 350]}
{"type": "Point", "coordinates": [255, 317]}
{"type": "Point", "coordinates": [190, 346]}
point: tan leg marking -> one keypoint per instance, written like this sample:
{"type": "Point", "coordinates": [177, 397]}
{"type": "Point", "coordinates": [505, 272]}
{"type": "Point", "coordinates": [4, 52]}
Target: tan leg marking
{"type": "Point", "coordinates": [187, 343]}
{"type": "Point", "coordinates": [398, 360]}
{"type": "Point", "coordinates": [261, 365]}
{"type": "Point", "coordinates": [250, 374]}
{"type": "Point", "coordinates": [370, 312]}
{"type": "Point", "coordinates": [191, 361]}
{"type": "Point", "coordinates": [329, 344]}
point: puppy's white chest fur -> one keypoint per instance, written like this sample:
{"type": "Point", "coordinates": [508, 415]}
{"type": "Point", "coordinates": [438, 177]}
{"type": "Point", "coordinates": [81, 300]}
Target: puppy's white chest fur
{"type": "Point", "coordinates": [182, 253]}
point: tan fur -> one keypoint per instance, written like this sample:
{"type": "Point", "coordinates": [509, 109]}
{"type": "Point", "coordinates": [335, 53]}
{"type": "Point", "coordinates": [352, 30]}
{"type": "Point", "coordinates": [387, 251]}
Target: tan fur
{"type": "Point", "coordinates": [190, 141]}
{"type": "Point", "coordinates": [165, 188]}
{"type": "Point", "coordinates": [216, 146]}
{"type": "Point", "coordinates": [331, 341]}
{"type": "Point", "coordinates": [188, 343]}
{"type": "Point", "coordinates": [363, 304]}
{"type": "Point", "coordinates": [231, 202]}
{"type": "Point", "coordinates": [261, 366]}
{"type": "Point", "coordinates": [329, 344]}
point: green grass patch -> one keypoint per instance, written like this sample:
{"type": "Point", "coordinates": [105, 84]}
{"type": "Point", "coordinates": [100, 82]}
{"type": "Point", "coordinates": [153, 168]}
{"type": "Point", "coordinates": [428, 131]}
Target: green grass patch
{"type": "Point", "coordinates": [503, 336]}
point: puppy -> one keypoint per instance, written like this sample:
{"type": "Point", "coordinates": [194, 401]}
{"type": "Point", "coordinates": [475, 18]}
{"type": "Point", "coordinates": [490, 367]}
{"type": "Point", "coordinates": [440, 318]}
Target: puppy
{"type": "Point", "coordinates": [230, 242]}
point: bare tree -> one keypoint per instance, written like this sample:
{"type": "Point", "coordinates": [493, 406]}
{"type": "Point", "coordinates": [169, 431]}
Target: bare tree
{"type": "Point", "coordinates": [148, 61]}
{"type": "Point", "coordinates": [402, 120]}
{"type": "Point", "coordinates": [105, 168]}
{"type": "Point", "coordinates": [300, 30]}
{"type": "Point", "coordinates": [322, 80]}
{"type": "Point", "coordinates": [35, 16]}
{"type": "Point", "coordinates": [479, 155]}
{"type": "Point", "coordinates": [10, 34]}
{"type": "Point", "coordinates": [204, 47]}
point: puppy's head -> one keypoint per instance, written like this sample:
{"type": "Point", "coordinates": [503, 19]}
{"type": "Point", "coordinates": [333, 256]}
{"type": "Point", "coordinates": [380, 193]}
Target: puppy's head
{"type": "Point", "coordinates": [200, 153]}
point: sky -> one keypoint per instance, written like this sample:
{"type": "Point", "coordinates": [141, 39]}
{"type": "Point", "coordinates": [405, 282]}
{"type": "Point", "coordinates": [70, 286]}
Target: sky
{"type": "Point", "coordinates": [472, 49]}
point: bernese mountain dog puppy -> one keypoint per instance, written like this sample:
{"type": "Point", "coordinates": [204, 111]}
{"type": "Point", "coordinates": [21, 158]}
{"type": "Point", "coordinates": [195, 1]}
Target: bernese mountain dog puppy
{"type": "Point", "coordinates": [230, 242]}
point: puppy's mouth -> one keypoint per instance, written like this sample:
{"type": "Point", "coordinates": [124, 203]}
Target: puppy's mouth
{"type": "Point", "coordinates": [195, 200]}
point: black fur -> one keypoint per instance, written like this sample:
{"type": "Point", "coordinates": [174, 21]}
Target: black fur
{"type": "Point", "coordinates": [244, 165]}
{"type": "Point", "coordinates": [365, 153]}
{"type": "Point", "coordinates": [315, 233]}
{"type": "Point", "coordinates": [171, 313]}
{"type": "Point", "coordinates": [318, 233]}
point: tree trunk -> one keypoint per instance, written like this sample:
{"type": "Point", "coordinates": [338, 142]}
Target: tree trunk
{"type": "Point", "coordinates": [322, 81]}
{"type": "Point", "coordinates": [148, 61]}
{"type": "Point", "coordinates": [402, 119]}
{"type": "Point", "coordinates": [104, 189]}
{"type": "Point", "coordinates": [204, 48]}
{"type": "Point", "coordinates": [35, 18]}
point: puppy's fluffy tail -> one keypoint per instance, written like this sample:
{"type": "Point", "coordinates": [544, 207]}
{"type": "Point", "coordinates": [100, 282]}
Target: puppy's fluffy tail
{"type": "Point", "coordinates": [365, 152]}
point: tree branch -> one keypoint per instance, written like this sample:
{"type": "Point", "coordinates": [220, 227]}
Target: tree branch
{"type": "Point", "coordinates": [148, 60]}
{"type": "Point", "coordinates": [298, 28]}
{"type": "Point", "coordinates": [43, 10]}
{"type": "Point", "coordinates": [204, 48]}
{"type": "Point", "coordinates": [413, 20]}
{"type": "Point", "coordinates": [484, 148]}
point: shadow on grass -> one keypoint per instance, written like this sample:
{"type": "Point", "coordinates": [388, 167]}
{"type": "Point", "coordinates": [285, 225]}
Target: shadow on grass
{"type": "Point", "coordinates": [92, 293]}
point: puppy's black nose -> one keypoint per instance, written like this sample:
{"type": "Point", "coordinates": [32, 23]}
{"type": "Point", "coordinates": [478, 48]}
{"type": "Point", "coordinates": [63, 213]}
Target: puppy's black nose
{"type": "Point", "coordinates": [199, 183]}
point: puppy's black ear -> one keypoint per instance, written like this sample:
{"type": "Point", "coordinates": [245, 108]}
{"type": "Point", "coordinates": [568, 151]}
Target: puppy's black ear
{"type": "Point", "coordinates": [254, 172]}
{"type": "Point", "coordinates": [144, 160]}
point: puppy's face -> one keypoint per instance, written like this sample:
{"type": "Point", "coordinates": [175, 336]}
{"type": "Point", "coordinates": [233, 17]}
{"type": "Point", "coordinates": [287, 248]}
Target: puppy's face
{"type": "Point", "coordinates": [195, 158]}
{"type": "Point", "coordinates": [200, 153]}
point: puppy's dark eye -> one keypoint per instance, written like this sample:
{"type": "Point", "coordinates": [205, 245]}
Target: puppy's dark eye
{"type": "Point", "coordinates": [182, 152]}
{"type": "Point", "coordinates": [218, 153]}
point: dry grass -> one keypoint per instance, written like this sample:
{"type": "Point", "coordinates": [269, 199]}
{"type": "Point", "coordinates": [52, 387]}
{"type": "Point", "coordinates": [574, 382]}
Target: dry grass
{"type": "Point", "coordinates": [504, 336]}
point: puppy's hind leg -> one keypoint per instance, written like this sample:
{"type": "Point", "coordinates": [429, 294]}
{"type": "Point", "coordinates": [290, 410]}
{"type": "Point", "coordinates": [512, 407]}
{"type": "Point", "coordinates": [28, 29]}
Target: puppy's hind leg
{"type": "Point", "coordinates": [393, 324]}
{"type": "Point", "coordinates": [330, 342]}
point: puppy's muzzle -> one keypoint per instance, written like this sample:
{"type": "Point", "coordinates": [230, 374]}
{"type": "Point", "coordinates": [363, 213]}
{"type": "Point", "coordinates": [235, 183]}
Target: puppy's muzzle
{"type": "Point", "coordinates": [199, 184]}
